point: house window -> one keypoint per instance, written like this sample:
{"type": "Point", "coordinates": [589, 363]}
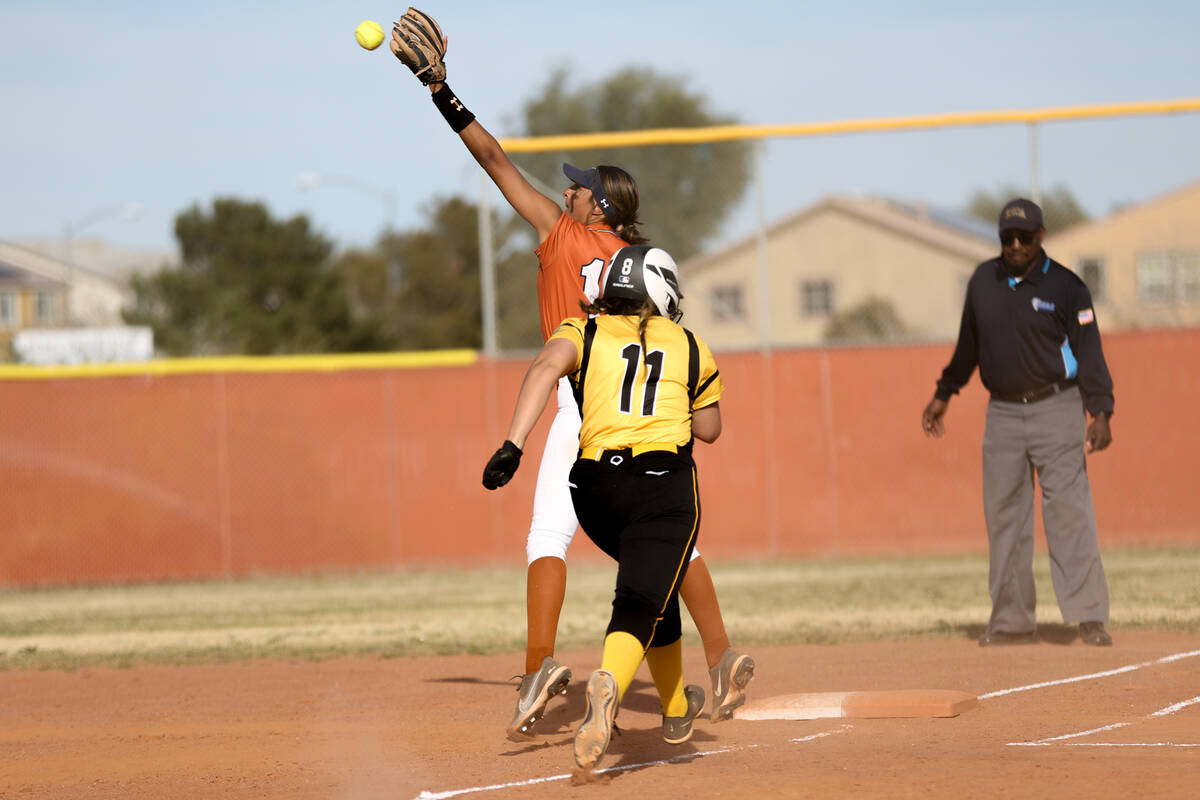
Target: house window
{"type": "Point", "coordinates": [1091, 270]}
{"type": "Point", "coordinates": [1155, 283]}
{"type": "Point", "coordinates": [727, 303]}
{"type": "Point", "coordinates": [1187, 272]}
{"type": "Point", "coordinates": [816, 298]}
{"type": "Point", "coordinates": [45, 310]}
{"type": "Point", "coordinates": [10, 310]}
{"type": "Point", "coordinates": [1169, 277]}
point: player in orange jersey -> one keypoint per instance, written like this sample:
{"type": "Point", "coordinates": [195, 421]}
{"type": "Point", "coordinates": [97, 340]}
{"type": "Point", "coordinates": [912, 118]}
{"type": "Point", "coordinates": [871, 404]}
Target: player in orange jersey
{"type": "Point", "coordinates": [600, 217]}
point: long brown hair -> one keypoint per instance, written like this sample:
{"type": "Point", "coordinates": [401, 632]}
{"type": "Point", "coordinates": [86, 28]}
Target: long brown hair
{"type": "Point", "coordinates": [622, 191]}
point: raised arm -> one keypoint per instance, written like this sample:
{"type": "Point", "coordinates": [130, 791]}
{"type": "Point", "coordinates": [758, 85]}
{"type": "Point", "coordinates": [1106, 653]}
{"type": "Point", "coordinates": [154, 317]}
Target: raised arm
{"type": "Point", "coordinates": [418, 42]}
{"type": "Point", "coordinates": [534, 207]}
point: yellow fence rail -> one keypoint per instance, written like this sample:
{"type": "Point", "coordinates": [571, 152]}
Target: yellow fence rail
{"type": "Point", "coordinates": [724, 133]}
{"type": "Point", "coordinates": [299, 363]}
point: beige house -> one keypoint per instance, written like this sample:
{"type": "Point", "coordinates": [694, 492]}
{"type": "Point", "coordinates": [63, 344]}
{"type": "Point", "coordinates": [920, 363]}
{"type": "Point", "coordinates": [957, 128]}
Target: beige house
{"type": "Point", "coordinates": [38, 292]}
{"type": "Point", "coordinates": [830, 258]}
{"type": "Point", "coordinates": [27, 300]}
{"type": "Point", "coordinates": [1142, 264]}
{"type": "Point", "coordinates": [91, 299]}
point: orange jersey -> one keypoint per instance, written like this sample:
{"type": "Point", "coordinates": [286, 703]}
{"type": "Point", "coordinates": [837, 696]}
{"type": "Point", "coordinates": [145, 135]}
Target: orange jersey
{"type": "Point", "coordinates": [570, 262]}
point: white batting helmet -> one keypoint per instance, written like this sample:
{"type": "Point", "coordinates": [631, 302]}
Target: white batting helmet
{"type": "Point", "coordinates": [638, 271]}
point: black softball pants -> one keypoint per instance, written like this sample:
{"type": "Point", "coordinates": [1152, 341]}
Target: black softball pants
{"type": "Point", "coordinates": [644, 512]}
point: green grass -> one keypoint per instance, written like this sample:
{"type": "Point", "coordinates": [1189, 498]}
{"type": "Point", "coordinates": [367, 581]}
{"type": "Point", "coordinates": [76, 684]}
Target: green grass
{"type": "Point", "coordinates": [440, 612]}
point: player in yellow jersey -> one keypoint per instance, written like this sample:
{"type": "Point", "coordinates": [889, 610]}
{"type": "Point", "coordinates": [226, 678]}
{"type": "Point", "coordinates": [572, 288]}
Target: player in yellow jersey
{"type": "Point", "coordinates": [600, 216]}
{"type": "Point", "coordinates": [646, 388]}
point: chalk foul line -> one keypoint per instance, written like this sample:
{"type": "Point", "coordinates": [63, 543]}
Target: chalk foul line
{"type": "Point", "coordinates": [822, 734]}
{"type": "Point", "coordinates": [1094, 675]}
{"type": "Point", "coordinates": [427, 795]}
{"type": "Point", "coordinates": [1162, 712]}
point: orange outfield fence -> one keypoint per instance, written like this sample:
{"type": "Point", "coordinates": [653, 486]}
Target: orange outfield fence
{"type": "Point", "coordinates": [170, 474]}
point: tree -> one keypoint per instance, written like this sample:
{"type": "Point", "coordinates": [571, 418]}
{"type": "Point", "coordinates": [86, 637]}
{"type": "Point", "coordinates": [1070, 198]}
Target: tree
{"type": "Point", "coordinates": [687, 191]}
{"type": "Point", "coordinates": [1060, 209]}
{"type": "Point", "coordinates": [435, 272]}
{"type": "Point", "coordinates": [873, 319]}
{"type": "Point", "coordinates": [420, 289]}
{"type": "Point", "coordinates": [246, 284]}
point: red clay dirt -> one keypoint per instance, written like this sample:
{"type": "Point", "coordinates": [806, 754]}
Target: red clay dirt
{"type": "Point", "coordinates": [434, 727]}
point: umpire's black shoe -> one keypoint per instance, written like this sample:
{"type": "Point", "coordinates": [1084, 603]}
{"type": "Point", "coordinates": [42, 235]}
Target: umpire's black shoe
{"type": "Point", "coordinates": [1093, 633]}
{"type": "Point", "coordinates": [994, 638]}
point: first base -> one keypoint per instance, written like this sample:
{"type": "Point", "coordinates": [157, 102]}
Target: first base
{"type": "Point", "coordinates": [898, 703]}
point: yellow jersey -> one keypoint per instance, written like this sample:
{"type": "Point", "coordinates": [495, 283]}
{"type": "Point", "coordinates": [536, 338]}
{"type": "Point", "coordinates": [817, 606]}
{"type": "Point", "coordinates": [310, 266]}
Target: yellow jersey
{"type": "Point", "coordinates": [628, 398]}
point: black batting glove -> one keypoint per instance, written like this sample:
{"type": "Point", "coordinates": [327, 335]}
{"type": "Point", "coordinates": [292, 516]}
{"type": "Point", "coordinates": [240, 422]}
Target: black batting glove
{"type": "Point", "coordinates": [502, 465]}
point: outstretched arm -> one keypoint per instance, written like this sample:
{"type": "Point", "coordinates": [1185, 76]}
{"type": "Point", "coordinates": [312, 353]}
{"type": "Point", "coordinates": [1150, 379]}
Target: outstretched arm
{"type": "Point", "coordinates": [418, 42]}
{"type": "Point", "coordinates": [556, 359]}
{"type": "Point", "coordinates": [534, 207]}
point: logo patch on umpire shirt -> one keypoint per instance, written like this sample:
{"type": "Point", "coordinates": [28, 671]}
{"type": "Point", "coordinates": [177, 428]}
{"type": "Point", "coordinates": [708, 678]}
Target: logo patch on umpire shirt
{"type": "Point", "coordinates": [1086, 316]}
{"type": "Point", "coordinates": [1042, 305]}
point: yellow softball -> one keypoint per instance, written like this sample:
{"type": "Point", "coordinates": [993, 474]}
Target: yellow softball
{"type": "Point", "coordinates": [368, 34]}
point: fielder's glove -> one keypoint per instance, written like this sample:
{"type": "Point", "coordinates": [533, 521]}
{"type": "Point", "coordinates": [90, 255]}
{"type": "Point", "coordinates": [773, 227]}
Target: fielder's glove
{"type": "Point", "coordinates": [418, 42]}
{"type": "Point", "coordinates": [502, 465]}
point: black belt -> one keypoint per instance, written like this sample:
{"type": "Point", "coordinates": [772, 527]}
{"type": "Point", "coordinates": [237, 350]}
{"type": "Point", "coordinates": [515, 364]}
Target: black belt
{"type": "Point", "coordinates": [1034, 395]}
{"type": "Point", "coordinates": [594, 453]}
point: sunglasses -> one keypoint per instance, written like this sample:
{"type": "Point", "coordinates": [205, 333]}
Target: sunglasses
{"type": "Point", "coordinates": [1024, 237]}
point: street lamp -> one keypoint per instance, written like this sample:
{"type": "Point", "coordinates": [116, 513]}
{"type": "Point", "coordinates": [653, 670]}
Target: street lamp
{"type": "Point", "coordinates": [128, 212]}
{"type": "Point", "coordinates": [307, 181]}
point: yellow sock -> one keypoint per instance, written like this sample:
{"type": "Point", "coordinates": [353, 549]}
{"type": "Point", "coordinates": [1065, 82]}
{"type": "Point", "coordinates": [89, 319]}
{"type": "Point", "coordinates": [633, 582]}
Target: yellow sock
{"type": "Point", "coordinates": [666, 667]}
{"type": "Point", "coordinates": [622, 656]}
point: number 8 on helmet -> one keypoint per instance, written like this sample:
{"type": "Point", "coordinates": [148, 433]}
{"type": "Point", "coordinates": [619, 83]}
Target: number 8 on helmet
{"type": "Point", "coordinates": [644, 271]}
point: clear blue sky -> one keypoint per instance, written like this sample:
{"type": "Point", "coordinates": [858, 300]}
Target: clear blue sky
{"type": "Point", "coordinates": [172, 104]}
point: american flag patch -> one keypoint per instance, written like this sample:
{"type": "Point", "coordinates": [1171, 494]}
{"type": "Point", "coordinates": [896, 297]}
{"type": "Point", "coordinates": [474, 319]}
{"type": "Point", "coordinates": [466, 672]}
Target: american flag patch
{"type": "Point", "coordinates": [1086, 316]}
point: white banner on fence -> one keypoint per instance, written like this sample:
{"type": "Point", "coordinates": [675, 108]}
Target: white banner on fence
{"type": "Point", "coordinates": [83, 345]}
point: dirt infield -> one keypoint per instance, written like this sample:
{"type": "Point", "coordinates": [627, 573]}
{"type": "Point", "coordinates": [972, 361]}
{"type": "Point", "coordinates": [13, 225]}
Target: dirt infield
{"type": "Point", "coordinates": [1060, 720]}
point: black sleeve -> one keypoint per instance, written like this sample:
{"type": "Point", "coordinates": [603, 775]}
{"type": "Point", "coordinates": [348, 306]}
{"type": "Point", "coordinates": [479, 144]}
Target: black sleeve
{"type": "Point", "coordinates": [1095, 382]}
{"type": "Point", "coordinates": [966, 352]}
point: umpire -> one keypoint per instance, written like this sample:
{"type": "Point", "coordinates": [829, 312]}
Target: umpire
{"type": "Point", "coordinates": [1029, 325]}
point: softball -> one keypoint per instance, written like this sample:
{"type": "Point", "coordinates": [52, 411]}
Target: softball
{"type": "Point", "coordinates": [369, 34]}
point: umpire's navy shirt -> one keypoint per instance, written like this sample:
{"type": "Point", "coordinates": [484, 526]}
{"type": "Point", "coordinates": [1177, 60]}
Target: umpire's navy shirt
{"type": "Point", "coordinates": [1026, 334]}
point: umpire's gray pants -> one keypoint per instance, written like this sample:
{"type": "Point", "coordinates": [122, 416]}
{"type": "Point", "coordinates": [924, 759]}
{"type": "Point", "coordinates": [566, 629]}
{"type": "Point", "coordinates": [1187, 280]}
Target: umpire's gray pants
{"type": "Point", "coordinates": [1046, 437]}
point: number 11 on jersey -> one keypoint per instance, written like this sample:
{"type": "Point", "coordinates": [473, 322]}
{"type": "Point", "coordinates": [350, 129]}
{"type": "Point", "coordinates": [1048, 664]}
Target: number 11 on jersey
{"type": "Point", "coordinates": [632, 354]}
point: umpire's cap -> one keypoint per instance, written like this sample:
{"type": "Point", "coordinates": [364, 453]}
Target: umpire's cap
{"type": "Point", "coordinates": [1020, 215]}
